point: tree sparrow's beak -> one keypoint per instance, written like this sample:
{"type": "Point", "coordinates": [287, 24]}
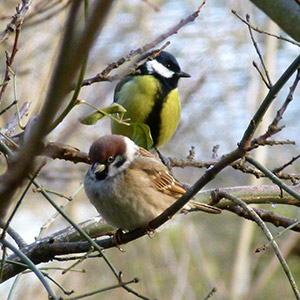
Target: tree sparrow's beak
{"type": "Point", "coordinates": [99, 168]}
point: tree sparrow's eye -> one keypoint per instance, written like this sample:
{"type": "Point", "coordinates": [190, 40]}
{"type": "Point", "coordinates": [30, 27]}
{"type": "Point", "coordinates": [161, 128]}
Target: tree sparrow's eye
{"type": "Point", "coordinates": [110, 159]}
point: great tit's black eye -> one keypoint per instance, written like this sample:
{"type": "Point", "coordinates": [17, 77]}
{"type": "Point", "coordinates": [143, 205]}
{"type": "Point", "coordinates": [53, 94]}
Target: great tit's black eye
{"type": "Point", "coordinates": [110, 159]}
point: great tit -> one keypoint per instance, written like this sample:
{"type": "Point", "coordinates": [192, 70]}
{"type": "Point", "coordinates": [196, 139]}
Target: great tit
{"type": "Point", "coordinates": [150, 96]}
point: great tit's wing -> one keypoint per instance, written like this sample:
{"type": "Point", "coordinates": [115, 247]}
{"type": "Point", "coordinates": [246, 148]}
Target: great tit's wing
{"type": "Point", "coordinates": [119, 86]}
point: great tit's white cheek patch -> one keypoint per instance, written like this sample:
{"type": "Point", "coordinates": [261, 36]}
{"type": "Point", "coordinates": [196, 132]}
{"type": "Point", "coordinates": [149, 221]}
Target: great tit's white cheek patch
{"type": "Point", "coordinates": [153, 66]}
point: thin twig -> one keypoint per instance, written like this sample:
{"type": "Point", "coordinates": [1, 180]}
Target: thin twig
{"type": "Point", "coordinates": [31, 266]}
{"type": "Point", "coordinates": [290, 162]}
{"type": "Point", "coordinates": [263, 78]}
{"type": "Point", "coordinates": [68, 258]}
{"type": "Point", "coordinates": [273, 177]}
{"type": "Point", "coordinates": [65, 152]}
{"type": "Point", "coordinates": [8, 107]}
{"type": "Point", "coordinates": [9, 62]}
{"type": "Point", "coordinates": [269, 236]}
{"type": "Point", "coordinates": [14, 235]}
{"type": "Point", "coordinates": [273, 127]}
{"type": "Point", "coordinates": [273, 92]}
{"type": "Point", "coordinates": [267, 216]}
{"type": "Point", "coordinates": [17, 20]}
{"type": "Point", "coordinates": [268, 81]}
{"type": "Point", "coordinates": [262, 142]}
{"type": "Point", "coordinates": [103, 75]}
{"type": "Point", "coordinates": [279, 37]}
{"type": "Point", "coordinates": [77, 262]}
{"type": "Point", "coordinates": [121, 284]}
{"type": "Point", "coordinates": [210, 294]}
{"type": "Point", "coordinates": [291, 227]}
{"type": "Point", "coordinates": [237, 165]}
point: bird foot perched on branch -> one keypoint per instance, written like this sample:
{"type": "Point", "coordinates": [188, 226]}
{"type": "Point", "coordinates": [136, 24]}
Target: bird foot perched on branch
{"type": "Point", "coordinates": [117, 239]}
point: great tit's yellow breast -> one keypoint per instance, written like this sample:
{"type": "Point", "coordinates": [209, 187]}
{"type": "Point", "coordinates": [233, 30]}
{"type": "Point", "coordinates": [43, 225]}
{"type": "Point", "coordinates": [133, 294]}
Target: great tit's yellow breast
{"type": "Point", "coordinates": [138, 97]}
{"type": "Point", "coordinates": [147, 101]}
{"type": "Point", "coordinates": [170, 117]}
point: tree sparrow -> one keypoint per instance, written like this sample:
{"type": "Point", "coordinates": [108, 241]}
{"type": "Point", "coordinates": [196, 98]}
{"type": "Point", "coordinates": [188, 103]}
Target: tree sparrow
{"type": "Point", "coordinates": [129, 186]}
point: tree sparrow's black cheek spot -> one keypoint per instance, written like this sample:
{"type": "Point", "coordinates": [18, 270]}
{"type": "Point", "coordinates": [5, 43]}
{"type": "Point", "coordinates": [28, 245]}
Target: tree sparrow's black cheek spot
{"type": "Point", "coordinates": [120, 163]}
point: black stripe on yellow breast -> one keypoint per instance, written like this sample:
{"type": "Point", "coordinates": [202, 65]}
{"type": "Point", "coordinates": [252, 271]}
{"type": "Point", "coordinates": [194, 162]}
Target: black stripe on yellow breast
{"type": "Point", "coordinates": [154, 120]}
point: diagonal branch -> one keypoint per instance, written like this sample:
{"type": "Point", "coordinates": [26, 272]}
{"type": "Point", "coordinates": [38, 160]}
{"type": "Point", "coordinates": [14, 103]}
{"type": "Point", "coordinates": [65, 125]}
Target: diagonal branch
{"type": "Point", "coordinates": [17, 19]}
{"type": "Point", "coordinates": [69, 240]}
{"type": "Point", "coordinates": [279, 37]}
{"type": "Point", "coordinates": [103, 76]}
{"type": "Point", "coordinates": [74, 49]}
{"type": "Point", "coordinates": [272, 94]}
{"type": "Point", "coordinates": [269, 236]}
{"type": "Point", "coordinates": [273, 127]}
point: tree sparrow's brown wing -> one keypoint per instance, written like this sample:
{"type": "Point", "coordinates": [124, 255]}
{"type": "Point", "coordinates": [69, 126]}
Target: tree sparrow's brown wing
{"type": "Point", "coordinates": [145, 153]}
{"type": "Point", "coordinates": [166, 183]}
{"type": "Point", "coordinates": [162, 179]}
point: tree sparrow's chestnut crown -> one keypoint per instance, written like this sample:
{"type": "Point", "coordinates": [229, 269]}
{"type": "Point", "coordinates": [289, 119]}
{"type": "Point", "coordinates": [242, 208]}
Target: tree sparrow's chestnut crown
{"type": "Point", "coordinates": [111, 155]}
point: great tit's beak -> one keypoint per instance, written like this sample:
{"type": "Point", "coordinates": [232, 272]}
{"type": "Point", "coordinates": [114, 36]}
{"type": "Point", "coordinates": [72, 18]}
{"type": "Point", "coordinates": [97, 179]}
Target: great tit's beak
{"type": "Point", "coordinates": [183, 74]}
{"type": "Point", "coordinates": [99, 168]}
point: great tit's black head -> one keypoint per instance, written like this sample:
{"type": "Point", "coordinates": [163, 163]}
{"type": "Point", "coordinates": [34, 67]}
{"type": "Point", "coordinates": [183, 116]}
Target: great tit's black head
{"type": "Point", "coordinates": [163, 66]}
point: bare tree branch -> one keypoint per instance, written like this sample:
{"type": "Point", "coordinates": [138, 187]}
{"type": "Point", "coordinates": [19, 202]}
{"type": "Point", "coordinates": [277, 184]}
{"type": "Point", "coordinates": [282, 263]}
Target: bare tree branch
{"type": "Point", "coordinates": [103, 75]}
{"type": "Point", "coordinates": [17, 19]}
{"type": "Point", "coordinates": [278, 10]}
{"type": "Point", "coordinates": [269, 236]}
{"type": "Point", "coordinates": [73, 51]}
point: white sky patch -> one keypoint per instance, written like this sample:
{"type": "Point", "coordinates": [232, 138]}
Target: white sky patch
{"type": "Point", "coordinates": [155, 66]}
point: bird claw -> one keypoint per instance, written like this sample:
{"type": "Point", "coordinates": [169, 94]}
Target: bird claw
{"type": "Point", "coordinates": [117, 239]}
{"type": "Point", "coordinates": [149, 231]}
